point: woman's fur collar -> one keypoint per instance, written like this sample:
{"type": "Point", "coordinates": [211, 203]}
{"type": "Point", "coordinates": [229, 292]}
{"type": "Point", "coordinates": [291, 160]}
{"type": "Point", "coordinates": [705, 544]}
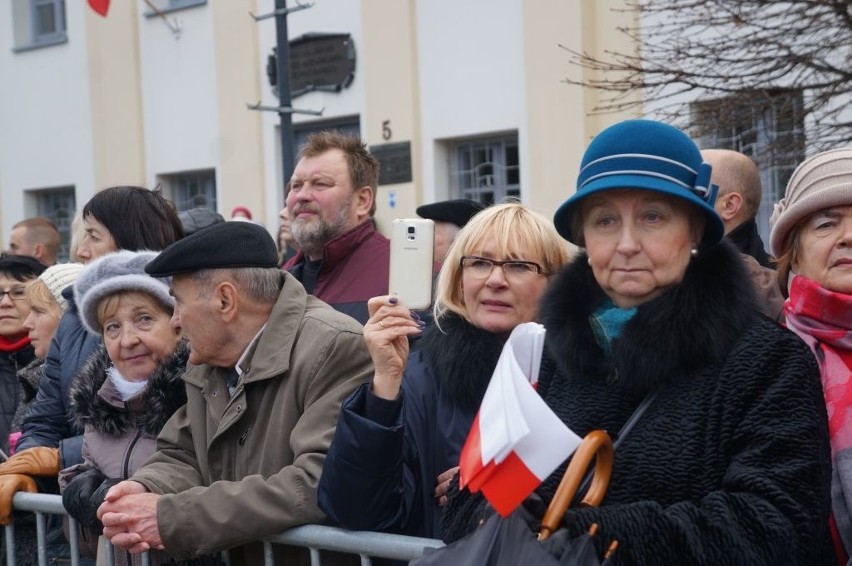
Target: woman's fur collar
{"type": "Point", "coordinates": [165, 394]}
{"type": "Point", "coordinates": [690, 326]}
{"type": "Point", "coordinates": [463, 358]}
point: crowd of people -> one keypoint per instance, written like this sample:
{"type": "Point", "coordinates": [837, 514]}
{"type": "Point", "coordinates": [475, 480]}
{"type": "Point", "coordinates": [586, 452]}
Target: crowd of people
{"type": "Point", "coordinates": [190, 385]}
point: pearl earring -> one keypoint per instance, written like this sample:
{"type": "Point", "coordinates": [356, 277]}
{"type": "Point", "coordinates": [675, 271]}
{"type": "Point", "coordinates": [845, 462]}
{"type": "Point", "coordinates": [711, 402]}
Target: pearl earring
{"type": "Point", "coordinates": [693, 252]}
{"type": "Point", "coordinates": [589, 261]}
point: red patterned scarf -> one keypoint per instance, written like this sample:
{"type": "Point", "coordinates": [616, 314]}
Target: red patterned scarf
{"type": "Point", "coordinates": [823, 319]}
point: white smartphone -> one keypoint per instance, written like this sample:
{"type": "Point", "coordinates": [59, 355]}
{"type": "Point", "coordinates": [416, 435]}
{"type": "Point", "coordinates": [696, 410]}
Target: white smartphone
{"type": "Point", "coordinates": [412, 243]}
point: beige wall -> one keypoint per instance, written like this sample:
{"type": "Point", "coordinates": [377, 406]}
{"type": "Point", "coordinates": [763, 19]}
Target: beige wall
{"type": "Point", "coordinates": [118, 145]}
{"type": "Point", "coordinates": [558, 122]}
{"type": "Point", "coordinates": [239, 176]}
{"type": "Point", "coordinates": [389, 60]}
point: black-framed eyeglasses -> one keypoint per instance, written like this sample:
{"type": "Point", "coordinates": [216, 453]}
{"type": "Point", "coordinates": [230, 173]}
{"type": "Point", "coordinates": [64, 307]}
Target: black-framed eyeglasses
{"type": "Point", "coordinates": [16, 293]}
{"type": "Point", "coordinates": [481, 267]}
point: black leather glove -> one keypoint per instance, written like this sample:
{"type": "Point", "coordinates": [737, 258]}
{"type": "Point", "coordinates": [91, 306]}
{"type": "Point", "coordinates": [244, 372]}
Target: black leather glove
{"type": "Point", "coordinates": [80, 497]}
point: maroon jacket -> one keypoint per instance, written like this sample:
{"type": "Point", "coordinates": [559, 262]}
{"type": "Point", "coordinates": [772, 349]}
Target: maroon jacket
{"type": "Point", "coordinates": [355, 267]}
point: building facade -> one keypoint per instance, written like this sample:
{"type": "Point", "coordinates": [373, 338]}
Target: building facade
{"type": "Point", "coordinates": [466, 98]}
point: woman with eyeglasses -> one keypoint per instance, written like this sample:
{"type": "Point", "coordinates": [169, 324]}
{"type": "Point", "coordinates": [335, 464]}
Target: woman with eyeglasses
{"type": "Point", "coordinates": [399, 437]}
{"type": "Point", "coordinates": [16, 352]}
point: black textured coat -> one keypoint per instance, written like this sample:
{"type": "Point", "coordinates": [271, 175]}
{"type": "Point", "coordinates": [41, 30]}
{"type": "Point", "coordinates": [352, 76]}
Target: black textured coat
{"type": "Point", "coordinates": [382, 466]}
{"type": "Point", "coordinates": [730, 464]}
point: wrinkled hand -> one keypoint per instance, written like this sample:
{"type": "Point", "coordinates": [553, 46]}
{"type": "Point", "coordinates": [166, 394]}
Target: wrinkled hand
{"type": "Point", "coordinates": [444, 485]}
{"type": "Point", "coordinates": [386, 334]}
{"type": "Point", "coordinates": [36, 461]}
{"type": "Point", "coordinates": [10, 484]}
{"type": "Point", "coordinates": [129, 517]}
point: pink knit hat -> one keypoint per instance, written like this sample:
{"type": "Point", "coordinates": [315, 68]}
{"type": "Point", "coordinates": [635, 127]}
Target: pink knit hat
{"type": "Point", "coordinates": [821, 181]}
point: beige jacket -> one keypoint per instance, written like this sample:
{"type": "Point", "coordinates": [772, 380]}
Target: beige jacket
{"type": "Point", "coordinates": [235, 469]}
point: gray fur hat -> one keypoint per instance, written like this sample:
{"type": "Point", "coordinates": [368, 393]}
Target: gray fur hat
{"type": "Point", "coordinates": [122, 271]}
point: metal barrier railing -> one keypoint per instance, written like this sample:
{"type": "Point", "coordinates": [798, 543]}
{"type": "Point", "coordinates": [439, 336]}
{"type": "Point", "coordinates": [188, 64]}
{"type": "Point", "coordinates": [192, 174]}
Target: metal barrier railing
{"type": "Point", "coordinates": [315, 538]}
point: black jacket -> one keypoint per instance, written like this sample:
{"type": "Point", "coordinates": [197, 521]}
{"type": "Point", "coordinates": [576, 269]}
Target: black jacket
{"type": "Point", "coordinates": [50, 419]}
{"type": "Point", "coordinates": [10, 389]}
{"type": "Point", "coordinates": [746, 238]}
{"type": "Point", "coordinates": [730, 464]}
{"type": "Point", "coordinates": [382, 466]}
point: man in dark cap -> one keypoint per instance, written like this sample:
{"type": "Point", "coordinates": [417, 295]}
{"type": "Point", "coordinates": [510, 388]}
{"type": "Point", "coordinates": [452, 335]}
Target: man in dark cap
{"type": "Point", "coordinates": [449, 216]}
{"type": "Point", "coordinates": [269, 368]}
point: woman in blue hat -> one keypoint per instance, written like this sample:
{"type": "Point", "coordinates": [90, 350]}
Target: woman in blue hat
{"type": "Point", "coordinates": [729, 462]}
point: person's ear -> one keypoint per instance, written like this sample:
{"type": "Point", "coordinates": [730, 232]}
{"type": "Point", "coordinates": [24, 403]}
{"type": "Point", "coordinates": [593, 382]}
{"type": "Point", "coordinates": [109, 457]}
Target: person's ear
{"type": "Point", "coordinates": [227, 300]}
{"type": "Point", "coordinates": [731, 205]}
{"type": "Point", "coordinates": [364, 197]}
{"type": "Point", "coordinates": [38, 252]}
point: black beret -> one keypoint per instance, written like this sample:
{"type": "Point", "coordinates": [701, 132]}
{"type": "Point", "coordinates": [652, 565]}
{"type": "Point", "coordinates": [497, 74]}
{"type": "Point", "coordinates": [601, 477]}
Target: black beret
{"type": "Point", "coordinates": [218, 246]}
{"type": "Point", "coordinates": [456, 211]}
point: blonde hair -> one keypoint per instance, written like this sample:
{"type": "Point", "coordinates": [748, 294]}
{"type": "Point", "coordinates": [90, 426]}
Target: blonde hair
{"type": "Point", "coordinates": [520, 233]}
{"type": "Point", "coordinates": [39, 295]}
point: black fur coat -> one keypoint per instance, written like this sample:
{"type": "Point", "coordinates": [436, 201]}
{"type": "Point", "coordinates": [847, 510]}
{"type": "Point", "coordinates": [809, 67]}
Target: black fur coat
{"type": "Point", "coordinates": [106, 414]}
{"type": "Point", "coordinates": [730, 463]}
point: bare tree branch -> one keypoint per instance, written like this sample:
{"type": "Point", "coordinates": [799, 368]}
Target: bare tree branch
{"type": "Point", "coordinates": [748, 50]}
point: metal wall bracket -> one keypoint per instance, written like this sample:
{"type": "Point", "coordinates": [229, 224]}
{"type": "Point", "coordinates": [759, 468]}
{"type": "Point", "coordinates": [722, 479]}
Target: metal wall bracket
{"type": "Point", "coordinates": [283, 109]}
{"type": "Point", "coordinates": [283, 12]}
{"type": "Point", "coordinates": [172, 24]}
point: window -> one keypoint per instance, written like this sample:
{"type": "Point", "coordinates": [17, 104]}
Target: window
{"type": "Point", "coordinates": [59, 205]}
{"type": "Point", "coordinates": [193, 189]}
{"type": "Point", "coordinates": [768, 127]}
{"type": "Point", "coordinates": [486, 170]}
{"type": "Point", "coordinates": [38, 23]}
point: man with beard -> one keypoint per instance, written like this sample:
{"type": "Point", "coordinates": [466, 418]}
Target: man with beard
{"type": "Point", "coordinates": [343, 259]}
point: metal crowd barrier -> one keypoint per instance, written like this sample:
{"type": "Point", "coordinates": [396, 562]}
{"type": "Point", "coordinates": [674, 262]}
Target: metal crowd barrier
{"type": "Point", "coordinates": [315, 538]}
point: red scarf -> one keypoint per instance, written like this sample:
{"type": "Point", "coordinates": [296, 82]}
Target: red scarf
{"type": "Point", "coordinates": [9, 345]}
{"type": "Point", "coordinates": [823, 319]}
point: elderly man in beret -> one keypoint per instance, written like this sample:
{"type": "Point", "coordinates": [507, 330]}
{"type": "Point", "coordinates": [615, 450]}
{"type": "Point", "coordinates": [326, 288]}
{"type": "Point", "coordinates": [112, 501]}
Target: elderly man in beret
{"type": "Point", "coordinates": [269, 366]}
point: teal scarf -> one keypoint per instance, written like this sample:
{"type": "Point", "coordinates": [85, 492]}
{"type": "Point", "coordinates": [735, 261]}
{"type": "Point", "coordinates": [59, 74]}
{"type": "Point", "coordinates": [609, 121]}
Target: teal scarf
{"type": "Point", "coordinates": [607, 322]}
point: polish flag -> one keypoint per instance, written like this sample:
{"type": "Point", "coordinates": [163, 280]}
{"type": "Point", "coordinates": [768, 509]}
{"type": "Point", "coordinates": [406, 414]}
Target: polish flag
{"type": "Point", "coordinates": [516, 441]}
{"type": "Point", "coordinates": [100, 6]}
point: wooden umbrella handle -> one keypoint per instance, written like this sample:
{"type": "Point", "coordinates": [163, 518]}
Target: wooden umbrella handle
{"type": "Point", "coordinates": [596, 445]}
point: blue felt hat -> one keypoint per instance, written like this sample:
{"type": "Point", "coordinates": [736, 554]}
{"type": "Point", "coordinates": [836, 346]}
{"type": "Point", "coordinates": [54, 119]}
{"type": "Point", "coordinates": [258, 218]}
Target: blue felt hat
{"type": "Point", "coordinates": [643, 154]}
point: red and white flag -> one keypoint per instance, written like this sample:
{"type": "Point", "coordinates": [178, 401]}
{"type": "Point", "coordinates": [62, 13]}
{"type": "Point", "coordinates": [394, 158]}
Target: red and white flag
{"type": "Point", "coordinates": [516, 441]}
{"type": "Point", "coordinates": [100, 6]}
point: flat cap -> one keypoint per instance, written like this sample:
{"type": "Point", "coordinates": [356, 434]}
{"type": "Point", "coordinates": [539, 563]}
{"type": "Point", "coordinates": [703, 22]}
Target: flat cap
{"type": "Point", "coordinates": [456, 211]}
{"type": "Point", "coordinates": [220, 246]}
